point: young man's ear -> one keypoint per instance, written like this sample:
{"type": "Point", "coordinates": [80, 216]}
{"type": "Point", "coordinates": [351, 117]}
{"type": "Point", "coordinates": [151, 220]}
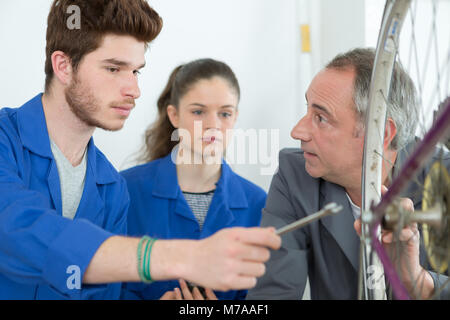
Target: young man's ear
{"type": "Point", "coordinates": [172, 113]}
{"type": "Point", "coordinates": [62, 67]}
{"type": "Point", "coordinates": [390, 131]}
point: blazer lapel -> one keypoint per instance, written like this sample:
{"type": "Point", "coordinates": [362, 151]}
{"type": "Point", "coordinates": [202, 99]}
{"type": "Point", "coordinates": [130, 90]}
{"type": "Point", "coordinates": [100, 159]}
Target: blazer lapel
{"type": "Point", "coordinates": [340, 226]}
{"type": "Point", "coordinates": [414, 190]}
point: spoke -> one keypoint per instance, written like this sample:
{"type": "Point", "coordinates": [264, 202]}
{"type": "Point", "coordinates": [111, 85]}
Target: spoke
{"type": "Point", "coordinates": [397, 167]}
{"type": "Point", "coordinates": [438, 75]}
{"type": "Point", "coordinates": [431, 79]}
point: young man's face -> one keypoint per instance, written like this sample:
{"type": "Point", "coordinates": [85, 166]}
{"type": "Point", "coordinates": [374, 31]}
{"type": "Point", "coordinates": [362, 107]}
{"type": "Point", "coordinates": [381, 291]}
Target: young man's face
{"type": "Point", "coordinates": [102, 92]}
{"type": "Point", "coordinates": [329, 135]}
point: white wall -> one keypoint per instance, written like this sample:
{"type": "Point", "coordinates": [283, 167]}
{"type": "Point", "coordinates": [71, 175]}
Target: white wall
{"type": "Point", "coordinates": [256, 38]}
{"type": "Point", "coordinates": [342, 27]}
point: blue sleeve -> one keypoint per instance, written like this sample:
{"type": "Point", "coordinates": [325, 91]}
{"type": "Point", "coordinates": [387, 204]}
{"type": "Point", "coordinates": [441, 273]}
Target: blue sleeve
{"type": "Point", "coordinates": [241, 294]}
{"type": "Point", "coordinates": [117, 224]}
{"type": "Point", "coordinates": [127, 293]}
{"type": "Point", "coordinates": [261, 205]}
{"type": "Point", "coordinates": [37, 245]}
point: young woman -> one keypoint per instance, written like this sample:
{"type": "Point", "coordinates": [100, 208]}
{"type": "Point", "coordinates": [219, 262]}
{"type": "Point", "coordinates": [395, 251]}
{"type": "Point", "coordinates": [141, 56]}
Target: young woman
{"type": "Point", "coordinates": [185, 189]}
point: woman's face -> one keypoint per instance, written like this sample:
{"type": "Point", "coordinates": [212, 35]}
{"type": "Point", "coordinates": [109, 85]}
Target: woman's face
{"type": "Point", "coordinates": [205, 118]}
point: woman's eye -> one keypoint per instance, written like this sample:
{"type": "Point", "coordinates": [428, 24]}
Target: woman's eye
{"type": "Point", "coordinates": [136, 72]}
{"type": "Point", "coordinates": [226, 114]}
{"type": "Point", "coordinates": [197, 112]}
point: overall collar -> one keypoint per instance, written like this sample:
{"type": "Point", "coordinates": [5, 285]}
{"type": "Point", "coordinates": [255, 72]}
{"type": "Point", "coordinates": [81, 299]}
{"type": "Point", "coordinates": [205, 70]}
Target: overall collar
{"type": "Point", "coordinates": [33, 127]}
{"type": "Point", "coordinates": [33, 132]}
{"type": "Point", "coordinates": [229, 185]}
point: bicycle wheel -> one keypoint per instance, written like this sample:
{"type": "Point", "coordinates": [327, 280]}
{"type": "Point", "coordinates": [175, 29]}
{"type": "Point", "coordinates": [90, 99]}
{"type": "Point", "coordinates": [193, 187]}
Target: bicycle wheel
{"type": "Point", "coordinates": [398, 45]}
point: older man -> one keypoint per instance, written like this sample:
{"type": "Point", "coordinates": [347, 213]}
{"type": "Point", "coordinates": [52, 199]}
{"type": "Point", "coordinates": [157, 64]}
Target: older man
{"type": "Point", "coordinates": [327, 169]}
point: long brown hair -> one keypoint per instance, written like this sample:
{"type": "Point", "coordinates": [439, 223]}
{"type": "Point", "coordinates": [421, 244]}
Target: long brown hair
{"type": "Point", "coordinates": [158, 141]}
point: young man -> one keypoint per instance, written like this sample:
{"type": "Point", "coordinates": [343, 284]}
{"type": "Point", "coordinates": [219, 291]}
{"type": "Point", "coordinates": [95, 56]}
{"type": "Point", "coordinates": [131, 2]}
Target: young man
{"type": "Point", "coordinates": [62, 205]}
{"type": "Point", "coordinates": [327, 169]}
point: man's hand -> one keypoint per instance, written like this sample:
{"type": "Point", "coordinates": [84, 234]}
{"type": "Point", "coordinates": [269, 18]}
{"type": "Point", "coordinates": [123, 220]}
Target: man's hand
{"type": "Point", "coordinates": [230, 259]}
{"type": "Point", "coordinates": [403, 250]}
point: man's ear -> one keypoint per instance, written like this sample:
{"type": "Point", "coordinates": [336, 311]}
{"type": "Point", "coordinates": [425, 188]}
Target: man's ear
{"type": "Point", "coordinates": [172, 114]}
{"type": "Point", "coordinates": [62, 67]}
{"type": "Point", "coordinates": [390, 131]}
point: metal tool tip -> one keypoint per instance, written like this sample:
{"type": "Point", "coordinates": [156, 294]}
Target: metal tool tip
{"type": "Point", "coordinates": [330, 206]}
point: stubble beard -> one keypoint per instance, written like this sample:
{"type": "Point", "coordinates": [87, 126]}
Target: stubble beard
{"type": "Point", "coordinates": [84, 105]}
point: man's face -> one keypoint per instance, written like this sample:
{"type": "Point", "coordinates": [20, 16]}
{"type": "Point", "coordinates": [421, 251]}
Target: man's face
{"type": "Point", "coordinates": [330, 136]}
{"type": "Point", "coordinates": [102, 92]}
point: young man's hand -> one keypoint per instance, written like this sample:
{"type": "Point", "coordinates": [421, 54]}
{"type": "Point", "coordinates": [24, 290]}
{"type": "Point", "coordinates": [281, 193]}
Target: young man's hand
{"type": "Point", "coordinates": [230, 259]}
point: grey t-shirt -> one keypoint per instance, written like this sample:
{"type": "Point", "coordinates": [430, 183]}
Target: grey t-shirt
{"type": "Point", "coordinates": [71, 179]}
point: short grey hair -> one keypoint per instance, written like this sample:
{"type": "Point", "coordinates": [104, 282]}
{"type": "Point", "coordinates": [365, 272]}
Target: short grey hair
{"type": "Point", "coordinates": [402, 107]}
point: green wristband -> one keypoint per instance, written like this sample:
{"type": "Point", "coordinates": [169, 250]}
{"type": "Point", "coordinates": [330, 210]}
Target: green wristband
{"type": "Point", "coordinates": [144, 262]}
{"type": "Point", "coordinates": [147, 274]}
{"type": "Point", "coordinates": [139, 256]}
